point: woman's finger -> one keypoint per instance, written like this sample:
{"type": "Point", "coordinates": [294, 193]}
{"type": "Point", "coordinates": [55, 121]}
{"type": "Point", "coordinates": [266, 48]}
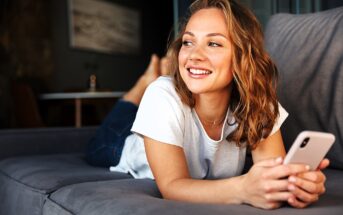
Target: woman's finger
{"type": "Point", "coordinates": [278, 196]}
{"type": "Point", "coordinates": [270, 162]}
{"type": "Point", "coordinates": [296, 203]}
{"type": "Point", "coordinates": [308, 186]}
{"type": "Point", "coordinates": [275, 185]}
{"type": "Point", "coordinates": [282, 171]}
{"type": "Point", "coordinates": [302, 195]}
{"type": "Point", "coordinates": [313, 176]}
{"type": "Point", "coordinates": [324, 164]}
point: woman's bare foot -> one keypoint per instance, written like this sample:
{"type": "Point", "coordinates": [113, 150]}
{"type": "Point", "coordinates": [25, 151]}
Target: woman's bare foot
{"type": "Point", "coordinates": [152, 72]}
{"type": "Point", "coordinates": [135, 94]}
{"type": "Point", "coordinates": [164, 67]}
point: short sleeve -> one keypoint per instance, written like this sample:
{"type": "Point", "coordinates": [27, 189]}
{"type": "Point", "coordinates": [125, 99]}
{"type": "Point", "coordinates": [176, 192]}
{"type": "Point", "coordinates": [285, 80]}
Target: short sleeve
{"type": "Point", "coordinates": [282, 117]}
{"type": "Point", "coordinates": [160, 115]}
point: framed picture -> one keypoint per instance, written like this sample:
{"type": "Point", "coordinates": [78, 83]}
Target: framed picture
{"type": "Point", "coordinates": [104, 27]}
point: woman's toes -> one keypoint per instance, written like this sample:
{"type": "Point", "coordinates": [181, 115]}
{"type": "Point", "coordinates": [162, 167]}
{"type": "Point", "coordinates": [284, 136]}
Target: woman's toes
{"type": "Point", "coordinates": [164, 70]}
{"type": "Point", "coordinates": [153, 65]}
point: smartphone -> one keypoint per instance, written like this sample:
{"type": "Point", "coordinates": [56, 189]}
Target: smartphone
{"type": "Point", "coordinates": [309, 148]}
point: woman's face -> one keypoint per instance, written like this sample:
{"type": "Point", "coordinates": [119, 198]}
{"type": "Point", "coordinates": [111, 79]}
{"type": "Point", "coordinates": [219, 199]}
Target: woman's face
{"type": "Point", "coordinates": [205, 55]}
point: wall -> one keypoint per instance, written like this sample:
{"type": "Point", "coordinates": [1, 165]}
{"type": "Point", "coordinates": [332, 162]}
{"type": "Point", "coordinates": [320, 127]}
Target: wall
{"type": "Point", "coordinates": [35, 48]}
{"type": "Point", "coordinates": [25, 49]}
{"type": "Point", "coordinates": [116, 72]}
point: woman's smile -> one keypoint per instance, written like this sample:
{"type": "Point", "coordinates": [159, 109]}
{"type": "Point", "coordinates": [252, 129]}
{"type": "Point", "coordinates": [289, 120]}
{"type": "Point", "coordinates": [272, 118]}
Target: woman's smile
{"type": "Point", "coordinates": [198, 73]}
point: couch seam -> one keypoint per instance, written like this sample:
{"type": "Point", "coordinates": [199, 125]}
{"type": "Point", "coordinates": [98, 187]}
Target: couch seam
{"type": "Point", "coordinates": [26, 185]}
{"type": "Point", "coordinates": [55, 204]}
{"type": "Point", "coordinates": [49, 191]}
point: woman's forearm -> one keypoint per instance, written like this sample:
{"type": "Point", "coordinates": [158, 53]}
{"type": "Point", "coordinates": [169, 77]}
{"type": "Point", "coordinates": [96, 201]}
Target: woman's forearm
{"type": "Point", "coordinates": [224, 191]}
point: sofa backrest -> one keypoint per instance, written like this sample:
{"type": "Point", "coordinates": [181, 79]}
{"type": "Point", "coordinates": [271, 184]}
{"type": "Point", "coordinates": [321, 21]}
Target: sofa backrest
{"type": "Point", "coordinates": [18, 142]}
{"type": "Point", "coordinates": [308, 51]}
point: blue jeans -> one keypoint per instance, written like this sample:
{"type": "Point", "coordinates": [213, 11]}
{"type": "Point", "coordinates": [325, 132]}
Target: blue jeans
{"type": "Point", "coordinates": [106, 147]}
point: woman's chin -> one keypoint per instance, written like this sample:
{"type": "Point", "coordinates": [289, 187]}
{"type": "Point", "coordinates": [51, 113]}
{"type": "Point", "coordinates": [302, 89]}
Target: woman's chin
{"type": "Point", "coordinates": [197, 90]}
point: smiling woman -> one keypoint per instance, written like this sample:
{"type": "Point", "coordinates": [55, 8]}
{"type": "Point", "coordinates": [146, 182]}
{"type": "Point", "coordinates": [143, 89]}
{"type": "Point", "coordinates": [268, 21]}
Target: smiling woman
{"type": "Point", "coordinates": [254, 72]}
{"type": "Point", "coordinates": [193, 128]}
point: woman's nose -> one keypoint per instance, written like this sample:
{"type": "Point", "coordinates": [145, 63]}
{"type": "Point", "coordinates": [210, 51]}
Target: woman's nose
{"type": "Point", "coordinates": [197, 54]}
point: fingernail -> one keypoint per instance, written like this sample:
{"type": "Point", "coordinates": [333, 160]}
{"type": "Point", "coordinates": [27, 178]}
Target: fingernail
{"type": "Point", "coordinates": [292, 179]}
{"type": "Point", "coordinates": [278, 160]}
{"type": "Point", "coordinates": [308, 167]}
{"type": "Point", "coordinates": [290, 200]}
{"type": "Point", "coordinates": [291, 187]}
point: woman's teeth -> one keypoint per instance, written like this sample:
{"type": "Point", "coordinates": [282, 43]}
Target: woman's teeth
{"type": "Point", "coordinates": [199, 72]}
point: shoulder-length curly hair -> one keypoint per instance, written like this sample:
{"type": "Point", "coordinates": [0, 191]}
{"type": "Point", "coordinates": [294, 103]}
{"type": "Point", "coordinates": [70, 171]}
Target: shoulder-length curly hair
{"type": "Point", "coordinates": [253, 98]}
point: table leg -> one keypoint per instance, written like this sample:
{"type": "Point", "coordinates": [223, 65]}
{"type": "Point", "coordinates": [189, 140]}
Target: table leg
{"type": "Point", "coordinates": [78, 113]}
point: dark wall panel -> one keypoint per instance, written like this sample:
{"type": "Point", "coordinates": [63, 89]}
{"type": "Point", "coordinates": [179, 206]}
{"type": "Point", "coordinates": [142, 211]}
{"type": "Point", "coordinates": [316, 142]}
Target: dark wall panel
{"type": "Point", "coordinates": [116, 72]}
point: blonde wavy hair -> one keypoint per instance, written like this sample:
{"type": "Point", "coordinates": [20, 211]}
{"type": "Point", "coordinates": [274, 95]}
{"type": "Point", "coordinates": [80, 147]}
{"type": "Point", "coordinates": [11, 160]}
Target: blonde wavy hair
{"type": "Point", "coordinates": [253, 98]}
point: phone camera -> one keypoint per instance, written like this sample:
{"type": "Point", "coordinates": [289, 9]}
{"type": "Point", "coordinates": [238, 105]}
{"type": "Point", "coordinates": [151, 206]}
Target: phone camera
{"type": "Point", "coordinates": [304, 143]}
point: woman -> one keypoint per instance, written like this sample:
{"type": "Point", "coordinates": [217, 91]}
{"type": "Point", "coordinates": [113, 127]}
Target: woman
{"type": "Point", "coordinates": [219, 101]}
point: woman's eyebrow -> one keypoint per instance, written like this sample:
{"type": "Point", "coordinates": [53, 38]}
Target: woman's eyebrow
{"type": "Point", "coordinates": [189, 33]}
{"type": "Point", "coordinates": [217, 34]}
{"type": "Point", "coordinates": [208, 35]}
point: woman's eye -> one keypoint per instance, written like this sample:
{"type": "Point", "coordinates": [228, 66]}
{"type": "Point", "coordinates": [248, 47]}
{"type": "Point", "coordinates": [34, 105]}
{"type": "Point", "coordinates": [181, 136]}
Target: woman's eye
{"type": "Point", "coordinates": [186, 43]}
{"type": "Point", "coordinates": [213, 44]}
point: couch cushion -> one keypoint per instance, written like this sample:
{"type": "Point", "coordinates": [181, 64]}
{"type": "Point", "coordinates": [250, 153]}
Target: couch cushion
{"type": "Point", "coordinates": [141, 196]}
{"type": "Point", "coordinates": [308, 51]}
{"type": "Point", "coordinates": [46, 173]}
{"type": "Point", "coordinates": [27, 181]}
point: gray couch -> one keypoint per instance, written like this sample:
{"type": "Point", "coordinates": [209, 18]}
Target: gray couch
{"type": "Point", "coordinates": [43, 171]}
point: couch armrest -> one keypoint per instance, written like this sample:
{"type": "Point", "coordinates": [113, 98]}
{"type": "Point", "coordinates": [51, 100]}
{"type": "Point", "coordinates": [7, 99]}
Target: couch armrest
{"type": "Point", "coordinates": [17, 142]}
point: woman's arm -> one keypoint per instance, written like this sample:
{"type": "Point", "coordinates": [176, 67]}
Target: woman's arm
{"type": "Point", "coordinates": [271, 147]}
{"type": "Point", "coordinates": [260, 187]}
{"type": "Point", "coordinates": [169, 167]}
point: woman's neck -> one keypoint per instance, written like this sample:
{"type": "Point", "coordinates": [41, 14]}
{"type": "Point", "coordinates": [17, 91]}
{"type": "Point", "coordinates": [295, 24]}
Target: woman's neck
{"type": "Point", "coordinates": [212, 108]}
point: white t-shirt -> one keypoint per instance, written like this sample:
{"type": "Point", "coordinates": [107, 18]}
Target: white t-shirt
{"type": "Point", "coordinates": [163, 117]}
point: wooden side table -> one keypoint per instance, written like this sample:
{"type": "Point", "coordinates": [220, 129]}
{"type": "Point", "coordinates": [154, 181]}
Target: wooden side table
{"type": "Point", "coordinates": [78, 97]}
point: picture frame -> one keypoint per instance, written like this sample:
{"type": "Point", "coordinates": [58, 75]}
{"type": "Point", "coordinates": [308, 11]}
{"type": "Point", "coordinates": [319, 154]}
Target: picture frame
{"type": "Point", "coordinates": [103, 26]}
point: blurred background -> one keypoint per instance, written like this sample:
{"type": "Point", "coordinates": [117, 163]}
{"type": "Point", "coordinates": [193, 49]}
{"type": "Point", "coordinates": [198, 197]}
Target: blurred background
{"type": "Point", "coordinates": [39, 56]}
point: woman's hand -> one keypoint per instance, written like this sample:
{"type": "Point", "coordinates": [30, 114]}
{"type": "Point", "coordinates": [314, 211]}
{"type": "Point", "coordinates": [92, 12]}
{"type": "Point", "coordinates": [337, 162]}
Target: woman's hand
{"type": "Point", "coordinates": [266, 185]}
{"type": "Point", "coordinates": [307, 187]}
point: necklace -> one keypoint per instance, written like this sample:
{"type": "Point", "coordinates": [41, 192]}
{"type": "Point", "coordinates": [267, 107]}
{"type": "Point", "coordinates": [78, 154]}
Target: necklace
{"type": "Point", "coordinates": [213, 123]}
